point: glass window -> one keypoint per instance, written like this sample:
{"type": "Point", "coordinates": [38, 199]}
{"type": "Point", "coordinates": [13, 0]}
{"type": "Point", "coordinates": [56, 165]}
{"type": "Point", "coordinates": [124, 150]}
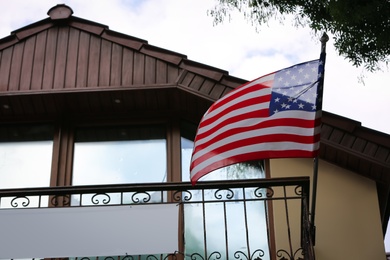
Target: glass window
{"type": "Point", "coordinates": [118, 155]}
{"type": "Point", "coordinates": [25, 158]}
{"type": "Point", "coordinates": [225, 229]}
{"type": "Point", "coordinates": [25, 164]}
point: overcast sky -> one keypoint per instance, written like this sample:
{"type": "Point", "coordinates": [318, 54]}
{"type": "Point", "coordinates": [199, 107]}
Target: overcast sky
{"type": "Point", "coordinates": [183, 26]}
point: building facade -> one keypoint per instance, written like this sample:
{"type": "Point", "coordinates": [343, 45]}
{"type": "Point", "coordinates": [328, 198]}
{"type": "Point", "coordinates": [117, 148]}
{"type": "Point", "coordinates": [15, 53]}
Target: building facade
{"type": "Point", "coordinates": [92, 117]}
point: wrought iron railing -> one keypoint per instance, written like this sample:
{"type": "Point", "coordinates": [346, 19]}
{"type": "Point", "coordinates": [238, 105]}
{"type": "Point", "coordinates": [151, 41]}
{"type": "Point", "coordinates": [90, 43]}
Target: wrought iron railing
{"type": "Point", "coordinates": [274, 211]}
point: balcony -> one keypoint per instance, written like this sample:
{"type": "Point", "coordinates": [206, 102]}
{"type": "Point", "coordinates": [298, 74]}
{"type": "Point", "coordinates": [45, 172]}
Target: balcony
{"type": "Point", "coordinates": [282, 203]}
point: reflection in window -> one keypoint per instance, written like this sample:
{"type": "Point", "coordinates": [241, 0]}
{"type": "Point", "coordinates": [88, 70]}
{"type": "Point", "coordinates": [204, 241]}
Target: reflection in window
{"type": "Point", "coordinates": [25, 159]}
{"type": "Point", "coordinates": [118, 155]}
{"type": "Point", "coordinates": [25, 164]}
{"type": "Point", "coordinates": [223, 229]}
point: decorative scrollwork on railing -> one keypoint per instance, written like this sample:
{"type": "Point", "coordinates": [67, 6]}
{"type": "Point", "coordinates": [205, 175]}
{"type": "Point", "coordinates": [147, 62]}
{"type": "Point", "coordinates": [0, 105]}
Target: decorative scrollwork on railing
{"type": "Point", "coordinates": [105, 258]}
{"type": "Point", "coordinates": [147, 257]}
{"type": "Point", "coordinates": [134, 257]}
{"type": "Point", "coordinates": [196, 256]}
{"type": "Point", "coordinates": [212, 256]}
{"type": "Point", "coordinates": [298, 190]}
{"type": "Point", "coordinates": [137, 197]}
{"type": "Point", "coordinates": [264, 192]}
{"type": "Point", "coordinates": [24, 203]}
{"type": "Point", "coordinates": [284, 255]}
{"type": "Point", "coordinates": [256, 255]}
{"type": "Point", "coordinates": [221, 193]}
{"type": "Point", "coordinates": [104, 200]}
{"type": "Point", "coordinates": [240, 255]}
{"type": "Point", "coordinates": [182, 196]}
{"type": "Point", "coordinates": [154, 257]}
{"type": "Point", "coordinates": [55, 200]}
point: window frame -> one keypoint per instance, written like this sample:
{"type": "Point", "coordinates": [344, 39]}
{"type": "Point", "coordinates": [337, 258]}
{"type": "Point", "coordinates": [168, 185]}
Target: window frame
{"type": "Point", "coordinates": [64, 139]}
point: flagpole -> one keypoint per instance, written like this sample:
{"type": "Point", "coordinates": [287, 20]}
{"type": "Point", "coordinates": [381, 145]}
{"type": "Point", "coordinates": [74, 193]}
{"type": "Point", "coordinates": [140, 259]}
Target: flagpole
{"type": "Point", "coordinates": [323, 41]}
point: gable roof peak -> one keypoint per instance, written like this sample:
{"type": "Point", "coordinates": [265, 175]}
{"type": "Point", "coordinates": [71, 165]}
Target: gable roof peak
{"type": "Point", "coordinates": [60, 11]}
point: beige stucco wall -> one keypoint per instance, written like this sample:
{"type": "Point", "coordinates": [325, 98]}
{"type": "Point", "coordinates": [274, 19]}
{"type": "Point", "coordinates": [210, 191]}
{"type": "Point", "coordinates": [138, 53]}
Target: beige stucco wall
{"type": "Point", "coordinates": [347, 212]}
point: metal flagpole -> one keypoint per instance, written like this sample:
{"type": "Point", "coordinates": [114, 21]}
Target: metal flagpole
{"type": "Point", "coordinates": [323, 40]}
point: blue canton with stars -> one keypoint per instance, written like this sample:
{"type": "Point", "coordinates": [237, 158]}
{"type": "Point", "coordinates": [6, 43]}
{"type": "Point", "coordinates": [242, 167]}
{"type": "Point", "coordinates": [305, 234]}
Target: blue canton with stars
{"type": "Point", "coordinates": [297, 88]}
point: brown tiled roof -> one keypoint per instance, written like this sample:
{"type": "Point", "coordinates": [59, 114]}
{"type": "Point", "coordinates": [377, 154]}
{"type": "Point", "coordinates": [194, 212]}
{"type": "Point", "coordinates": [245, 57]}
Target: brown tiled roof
{"type": "Point", "coordinates": [65, 64]}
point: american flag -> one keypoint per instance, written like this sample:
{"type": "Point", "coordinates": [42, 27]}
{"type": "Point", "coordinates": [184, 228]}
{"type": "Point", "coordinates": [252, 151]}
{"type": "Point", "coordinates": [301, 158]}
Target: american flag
{"type": "Point", "coordinates": [274, 116]}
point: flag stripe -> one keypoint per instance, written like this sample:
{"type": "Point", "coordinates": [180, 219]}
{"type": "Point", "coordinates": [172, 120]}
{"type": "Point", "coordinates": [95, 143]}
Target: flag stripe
{"type": "Point", "coordinates": [233, 119]}
{"type": "Point", "coordinates": [235, 107]}
{"type": "Point", "coordinates": [274, 116]}
{"type": "Point", "coordinates": [253, 152]}
{"type": "Point", "coordinates": [242, 134]}
{"type": "Point", "coordinates": [303, 144]}
{"type": "Point", "coordinates": [233, 126]}
{"type": "Point", "coordinates": [262, 83]}
{"type": "Point", "coordinates": [251, 157]}
{"type": "Point", "coordinates": [289, 133]}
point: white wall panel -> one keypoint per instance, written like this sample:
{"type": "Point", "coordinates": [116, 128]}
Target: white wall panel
{"type": "Point", "coordinates": [88, 231]}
